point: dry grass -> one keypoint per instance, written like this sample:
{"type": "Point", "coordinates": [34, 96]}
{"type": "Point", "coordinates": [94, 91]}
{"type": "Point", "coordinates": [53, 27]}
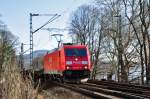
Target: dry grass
{"type": "Point", "coordinates": [12, 84]}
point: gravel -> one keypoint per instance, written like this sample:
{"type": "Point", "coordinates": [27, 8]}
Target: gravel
{"type": "Point", "coordinates": [61, 93]}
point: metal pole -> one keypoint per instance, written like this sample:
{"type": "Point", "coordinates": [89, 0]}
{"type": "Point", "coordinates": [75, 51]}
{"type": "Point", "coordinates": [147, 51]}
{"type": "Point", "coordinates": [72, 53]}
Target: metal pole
{"type": "Point", "coordinates": [31, 41]}
{"type": "Point", "coordinates": [22, 59]}
{"type": "Point", "coordinates": [55, 16]}
{"type": "Point", "coordinates": [119, 48]}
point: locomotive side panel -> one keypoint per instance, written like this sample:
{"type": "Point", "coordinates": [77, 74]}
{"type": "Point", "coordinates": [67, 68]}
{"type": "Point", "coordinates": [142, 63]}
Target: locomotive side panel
{"type": "Point", "coordinates": [62, 60]}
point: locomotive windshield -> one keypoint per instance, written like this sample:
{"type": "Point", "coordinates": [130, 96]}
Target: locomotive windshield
{"type": "Point", "coordinates": [75, 52]}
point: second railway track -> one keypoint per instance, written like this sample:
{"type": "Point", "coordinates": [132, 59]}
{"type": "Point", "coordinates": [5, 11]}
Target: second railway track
{"type": "Point", "coordinates": [130, 88]}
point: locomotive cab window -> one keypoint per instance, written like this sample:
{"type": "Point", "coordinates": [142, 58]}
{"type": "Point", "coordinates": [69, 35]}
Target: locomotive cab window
{"type": "Point", "coordinates": [75, 52]}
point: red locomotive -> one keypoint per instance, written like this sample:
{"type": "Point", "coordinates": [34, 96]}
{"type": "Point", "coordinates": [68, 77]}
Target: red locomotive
{"type": "Point", "coordinates": [69, 62]}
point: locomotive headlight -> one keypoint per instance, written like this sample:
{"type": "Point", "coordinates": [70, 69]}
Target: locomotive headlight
{"type": "Point", "coordinates": [68, 67]}
{"type": "Point", "coordinates": [84, 62]}
{"type": "Point", "coordinates": [85, 67]}
{"type": "Point", "coordinates": [68, 62]}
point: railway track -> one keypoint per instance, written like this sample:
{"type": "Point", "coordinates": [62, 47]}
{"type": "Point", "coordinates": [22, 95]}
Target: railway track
{"type": "Point", "coordinates": [114, 91]}
{"type": "Point", "coordinates": [120, 84]}
{"type": "Point", "coordinates": [88, 92]}
{"type": "Point", "coordinates": [130, 88]}
{"type": "Point", "coordinates": [107, 90]}
{"type": "Point", "coordinates": [101, 91]}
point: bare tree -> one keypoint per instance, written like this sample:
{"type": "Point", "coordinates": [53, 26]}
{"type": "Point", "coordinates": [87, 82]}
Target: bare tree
{"type": "Point", "coordinates": [134, 17]}
{"type": "Point", "coordinates": [139, 19]}
{"type": "Point", "coordinates": [118, 30]}
{"type": "Point", "coordinates": [145, 23]}
{"type": "Point", "coordinates": [120, 38]}
{"type": "Point", "coordinates": [86, 25]}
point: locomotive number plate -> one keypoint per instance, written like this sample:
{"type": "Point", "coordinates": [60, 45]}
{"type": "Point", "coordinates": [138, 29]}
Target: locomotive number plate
{"type": "Point", "coordinates": [77, 62]}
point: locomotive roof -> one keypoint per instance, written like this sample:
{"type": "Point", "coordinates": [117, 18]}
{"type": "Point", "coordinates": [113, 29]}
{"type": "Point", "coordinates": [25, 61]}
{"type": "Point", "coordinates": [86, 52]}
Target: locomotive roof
{"type": "Point", "coordinates": [67, 46]}
{"type": "Point", "coordinates": [74, 46]}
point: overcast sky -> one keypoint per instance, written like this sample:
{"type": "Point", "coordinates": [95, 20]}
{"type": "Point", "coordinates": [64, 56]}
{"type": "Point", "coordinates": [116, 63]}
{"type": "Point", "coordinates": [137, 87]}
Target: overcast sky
{"type": "Point", "coordinates": [15, 14]}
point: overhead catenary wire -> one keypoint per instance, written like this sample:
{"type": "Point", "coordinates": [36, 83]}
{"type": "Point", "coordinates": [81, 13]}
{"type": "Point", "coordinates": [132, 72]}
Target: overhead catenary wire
{"type": "Point", "coordinates": [61, 15]}
{"type": "Point", "coordinates": [55, 16]}
{"type": "Point", "coordinates": [52, 19]}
